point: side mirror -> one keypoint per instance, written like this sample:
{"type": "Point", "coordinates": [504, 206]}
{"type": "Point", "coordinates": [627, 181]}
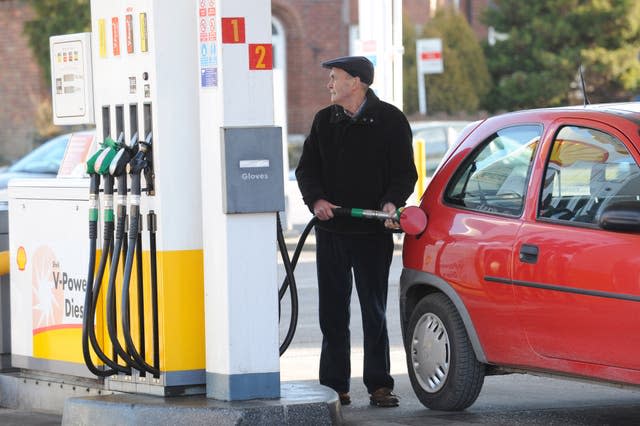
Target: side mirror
{"type": "Point", "coordinates": [621, 216]}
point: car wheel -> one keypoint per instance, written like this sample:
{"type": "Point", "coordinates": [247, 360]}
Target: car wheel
{"type": "Point", "coordinates": [444, 371]}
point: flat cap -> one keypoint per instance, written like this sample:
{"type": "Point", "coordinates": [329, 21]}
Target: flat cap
{"type": "Point", "coordinates": [356, 66]}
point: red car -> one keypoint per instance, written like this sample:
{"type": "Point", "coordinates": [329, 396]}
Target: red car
{"type": "Point", "coordinates": [530, 261]}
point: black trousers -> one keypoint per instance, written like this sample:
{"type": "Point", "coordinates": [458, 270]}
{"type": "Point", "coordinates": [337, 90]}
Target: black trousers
{"type": "Point", "coordinates": [369, 257]}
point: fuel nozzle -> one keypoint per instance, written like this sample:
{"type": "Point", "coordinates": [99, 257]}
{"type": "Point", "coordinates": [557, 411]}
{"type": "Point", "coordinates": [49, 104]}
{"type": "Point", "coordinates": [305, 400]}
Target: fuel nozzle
{"type": "Point", "coordinates": [119, 162]}
{"type": "Point", "coordinates": [412, 219]}
{"type": "Point", "coordinates": [142, 162]}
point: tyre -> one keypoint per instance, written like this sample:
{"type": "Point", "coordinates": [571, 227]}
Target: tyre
{"type": "Point", "coordinates": [444, 371]}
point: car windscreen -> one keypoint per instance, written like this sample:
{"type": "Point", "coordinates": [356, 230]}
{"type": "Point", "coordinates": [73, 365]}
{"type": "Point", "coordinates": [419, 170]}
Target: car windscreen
{"type": "Point", "coordinates": [44, 159]}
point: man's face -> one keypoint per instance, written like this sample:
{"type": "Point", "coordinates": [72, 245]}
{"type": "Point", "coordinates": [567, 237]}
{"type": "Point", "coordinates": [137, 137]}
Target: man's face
{"type": "Point", "coordinates": [341, 86]}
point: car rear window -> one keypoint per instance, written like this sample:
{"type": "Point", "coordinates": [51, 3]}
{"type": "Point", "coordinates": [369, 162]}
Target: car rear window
{"type": "Point", "coordinates": [495, 177]}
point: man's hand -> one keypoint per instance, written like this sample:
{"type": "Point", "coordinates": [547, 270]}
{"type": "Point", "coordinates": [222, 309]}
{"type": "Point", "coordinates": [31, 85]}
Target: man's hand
{"type": "Point", "coordinates": [323, 209]}
{"type": "Point", "coordinates": [391, 209]}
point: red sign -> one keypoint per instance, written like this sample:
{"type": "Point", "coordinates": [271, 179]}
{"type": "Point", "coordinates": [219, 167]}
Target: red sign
{"type": "Point", "coordinates": [129, 30]}
{"type": "Point", "coordinates": [115, 30]}
{"type": "Point", "coordinates": [425, 56]}
{"type": "Point", "coordinates": [233, 30]}
{"type": "Point", "coordinates": [260, 57]}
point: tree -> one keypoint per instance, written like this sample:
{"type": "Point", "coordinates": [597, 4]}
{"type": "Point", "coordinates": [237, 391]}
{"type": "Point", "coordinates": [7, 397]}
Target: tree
{"type": "Point", "coordinates": [54, 17]}
{"type": "Point", "coordinates": [537, 64]}
{"type": "Point", "coordinates": [465, 79]}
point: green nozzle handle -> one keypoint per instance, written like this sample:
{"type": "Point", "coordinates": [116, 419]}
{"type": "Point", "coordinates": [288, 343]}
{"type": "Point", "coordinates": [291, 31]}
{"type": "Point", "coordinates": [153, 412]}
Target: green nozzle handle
{"type": "Point", "coordinates": [412, 219]}
{"type": "Point", "coordinates": [100, 161]}
{"type": "Point", "coordinates": [365, 213]}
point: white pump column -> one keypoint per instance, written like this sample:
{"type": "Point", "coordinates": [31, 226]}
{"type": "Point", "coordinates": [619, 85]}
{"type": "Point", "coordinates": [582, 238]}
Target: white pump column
{"type": "Point", "coordinates": [240, 263]}
{"type": "Point", "coordinates": [380, 39]}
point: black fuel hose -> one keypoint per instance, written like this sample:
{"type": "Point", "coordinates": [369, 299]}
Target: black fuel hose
{"type": "Point", "coordinates": [137, 164]}
{"type": "Point", "coordinates": [94, 286]}
{"type": "Point", "coordinates": [153, 227]}
{"type": "Point", "coordinates": [111, 292]}
{"type": "Point", "coordinates": [290, 280]}
{"type": "Point", "coordinates": [140, 288]}
{"type": "Point", "coordinates": [89, 311]}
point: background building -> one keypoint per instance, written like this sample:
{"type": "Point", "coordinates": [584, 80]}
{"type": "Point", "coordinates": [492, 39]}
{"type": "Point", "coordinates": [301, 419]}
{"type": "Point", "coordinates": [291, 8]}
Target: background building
{"type": "Point", "coordinates": [305, 33]}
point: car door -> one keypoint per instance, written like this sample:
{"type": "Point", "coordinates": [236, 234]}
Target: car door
{"type": "Point", "coordinates": [475, 231]}
{"type": "Point", "coordinates": [578, 285]}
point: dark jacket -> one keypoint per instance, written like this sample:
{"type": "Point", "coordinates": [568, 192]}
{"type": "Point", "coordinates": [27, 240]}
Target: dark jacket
{"type": "Point", "coordinates": [361, 162]}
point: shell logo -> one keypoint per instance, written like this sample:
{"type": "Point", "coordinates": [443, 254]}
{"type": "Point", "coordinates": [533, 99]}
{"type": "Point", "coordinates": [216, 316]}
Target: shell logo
{"type": "Point", "coordinates": [21, 258]}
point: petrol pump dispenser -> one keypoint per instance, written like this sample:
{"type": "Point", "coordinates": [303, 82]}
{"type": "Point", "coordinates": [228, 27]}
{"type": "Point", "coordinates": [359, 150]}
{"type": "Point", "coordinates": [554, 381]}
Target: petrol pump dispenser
{"type": "Point", "coordinates": [145, 86]}
{"type": "Point", "coordinates": [144, 58]}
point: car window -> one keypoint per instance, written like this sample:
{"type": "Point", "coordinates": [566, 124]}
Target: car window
{"type": "Point", "coordinates": [435, 145]}
{"type": "Point", "coordinates": [44, 159]}
{"type": "Point", "coordinates": [586, 169]}
{"type": "Point", "coordinates": [494, 178]}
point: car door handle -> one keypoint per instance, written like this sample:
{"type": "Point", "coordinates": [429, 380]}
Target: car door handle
{"type": "Point", "coordinates": [528, 253]}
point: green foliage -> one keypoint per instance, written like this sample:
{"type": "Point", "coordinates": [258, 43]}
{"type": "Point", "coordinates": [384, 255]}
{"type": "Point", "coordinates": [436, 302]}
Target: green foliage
{"type": "Point", "coordinates": [465, 80]}
{"type": "Point", "coordinates": [54, 17]}
{"type": "Point", "coordinates": [537, 64]}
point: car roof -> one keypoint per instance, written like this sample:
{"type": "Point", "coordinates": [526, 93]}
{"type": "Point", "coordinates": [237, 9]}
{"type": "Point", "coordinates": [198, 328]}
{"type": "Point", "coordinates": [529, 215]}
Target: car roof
{"type": "Point", "coordinates": [627, 110]}
{"type": "Point", "coordinates": [449, 123]}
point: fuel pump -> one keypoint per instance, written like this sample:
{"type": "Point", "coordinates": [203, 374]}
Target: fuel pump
{"type": "Point", "coordinates": [111, 161]}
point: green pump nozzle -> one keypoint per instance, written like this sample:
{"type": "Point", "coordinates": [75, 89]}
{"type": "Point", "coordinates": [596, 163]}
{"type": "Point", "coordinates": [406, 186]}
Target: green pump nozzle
{"type": "Point", "coordinates": [100, 161]}
{"type": "Point", "coordinates": [109, 152]}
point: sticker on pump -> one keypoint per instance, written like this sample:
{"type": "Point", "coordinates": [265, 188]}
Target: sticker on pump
{"type": "Point", "coordinates": [144, 35]}
{"type": "Point", "coordinates": [233, 30]}
{"type": "Point", "coordinates": [115, 32]}
{"type": "Point", "coordinates": [102, 35]}
{"type": "Point", "coordinates": [245, 164]}
{"type": "Point", "coordinates": [260, 57]}
{"type": "Point", "coordinates": [129, 31]}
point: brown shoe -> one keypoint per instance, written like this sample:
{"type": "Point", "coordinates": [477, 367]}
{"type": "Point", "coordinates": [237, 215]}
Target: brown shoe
{"type": "Point", "coordinates": [383, 397]}
{"type": "Point", "coordinates": [345, 399]}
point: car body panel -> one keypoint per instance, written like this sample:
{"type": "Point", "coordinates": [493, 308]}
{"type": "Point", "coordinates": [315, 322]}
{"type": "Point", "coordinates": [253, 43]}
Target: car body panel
{"type": "Point", "coordinates": [575, 309]}
{"type": "Point", "coordinates": [572, 290]}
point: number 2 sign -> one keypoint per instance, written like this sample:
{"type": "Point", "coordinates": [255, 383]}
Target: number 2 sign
{"type": "Point", "coordinates": [260, 56]}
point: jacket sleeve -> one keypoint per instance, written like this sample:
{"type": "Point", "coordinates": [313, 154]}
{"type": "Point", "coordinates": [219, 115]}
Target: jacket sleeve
{"type": "Point", "coordinates": [403, 174]}
{"type": "Point", "coordinates": [309, 170]}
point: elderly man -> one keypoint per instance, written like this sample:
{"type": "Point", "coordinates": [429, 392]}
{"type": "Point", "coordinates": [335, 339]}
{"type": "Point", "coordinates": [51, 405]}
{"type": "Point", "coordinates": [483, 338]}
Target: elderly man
{"type": "Point", "coordinates": [358, 154]}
